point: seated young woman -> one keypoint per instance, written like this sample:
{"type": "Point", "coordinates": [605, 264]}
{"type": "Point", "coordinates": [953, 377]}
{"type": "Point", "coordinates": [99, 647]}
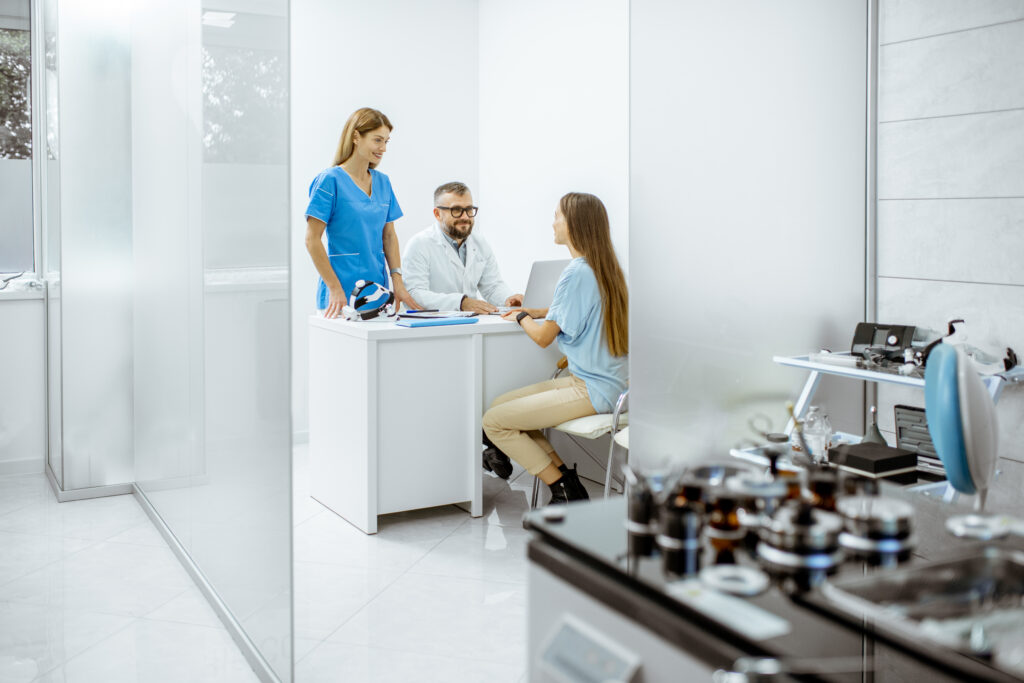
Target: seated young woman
{"type": "Point", "coordinates": [588, 318]}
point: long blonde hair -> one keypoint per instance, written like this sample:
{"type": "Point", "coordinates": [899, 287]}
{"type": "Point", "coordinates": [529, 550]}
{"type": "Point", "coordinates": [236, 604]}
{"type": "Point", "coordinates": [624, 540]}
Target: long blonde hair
{"type": "Point", "coordinates": [590, 234]}
{"type": "Point", "coordinates": [362, 121]}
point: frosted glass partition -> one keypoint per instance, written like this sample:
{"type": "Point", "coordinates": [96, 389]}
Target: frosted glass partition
{"type": "Point", "coordinates": [212, 384]}
{"type": "Point", "coordinates": [94, 62]}
{"type": "Point", "coordinates": [747, 212]}
{"type": "Point", "coordinates": [50, 222]}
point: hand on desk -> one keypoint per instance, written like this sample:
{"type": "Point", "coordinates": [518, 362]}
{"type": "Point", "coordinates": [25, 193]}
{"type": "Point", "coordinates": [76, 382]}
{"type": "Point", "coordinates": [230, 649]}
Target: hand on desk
{"type": "Point", "coordinates": [402, 296]}
{"type": "Point", "coordinates": [477, 306]}
{"type": "Point", "coordinates": [335, 302]}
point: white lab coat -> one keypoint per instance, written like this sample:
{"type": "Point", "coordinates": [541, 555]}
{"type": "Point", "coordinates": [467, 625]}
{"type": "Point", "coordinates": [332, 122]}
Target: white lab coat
{"type": "Point", "coordinates": [436, 278]}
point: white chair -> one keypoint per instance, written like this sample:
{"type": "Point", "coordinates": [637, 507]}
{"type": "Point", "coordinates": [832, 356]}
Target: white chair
{"type": "Point", "coordinates": [594, 427]}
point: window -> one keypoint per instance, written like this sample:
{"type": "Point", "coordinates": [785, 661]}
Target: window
{"type": "Point", "coordinates": [16, 228]}
{"type": "Point", "coordinates": [245, 88]}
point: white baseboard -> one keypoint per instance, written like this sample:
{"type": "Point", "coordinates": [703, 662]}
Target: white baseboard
{"type": "Point", "coordinates": [26, 466]}
{"type": "Point", "coordinates": [86, 493]}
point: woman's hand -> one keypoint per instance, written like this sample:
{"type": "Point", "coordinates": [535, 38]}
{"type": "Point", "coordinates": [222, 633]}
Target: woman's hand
{"type": "Point", "coordinates": [402, 296]}
{"type": "Point", "coordinates": [335, 302]}
{"type": "Point", "coordinates": [511, 315]}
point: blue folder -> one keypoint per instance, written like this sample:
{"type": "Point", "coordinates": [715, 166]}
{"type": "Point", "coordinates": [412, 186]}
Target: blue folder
{"type": "Point", "coordinates": [430, 322]}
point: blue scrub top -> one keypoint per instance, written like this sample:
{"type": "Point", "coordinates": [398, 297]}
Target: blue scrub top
{"type": "Point", "coordinates": [355, 226]}
{"type": "Point", "coordinates": [577, 308]}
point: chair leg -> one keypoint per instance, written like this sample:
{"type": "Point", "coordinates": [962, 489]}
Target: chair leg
{"type": "Point", "coordinates": [609, 468]}
{"type": "Point", "coordinates": [536, 493]}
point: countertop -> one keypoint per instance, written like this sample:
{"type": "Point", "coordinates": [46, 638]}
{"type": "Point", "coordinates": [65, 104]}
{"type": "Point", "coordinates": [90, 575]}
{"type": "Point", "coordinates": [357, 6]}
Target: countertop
{"type": "Point", "coordinates": [588, 549]}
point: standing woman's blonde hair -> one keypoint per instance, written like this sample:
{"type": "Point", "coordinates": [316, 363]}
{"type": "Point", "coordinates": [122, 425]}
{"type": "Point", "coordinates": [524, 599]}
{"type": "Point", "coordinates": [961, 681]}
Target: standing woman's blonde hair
{"type": "Point", "coordinates": [362, 121]}
{"type": "Point", "coordinates": [590, 234]}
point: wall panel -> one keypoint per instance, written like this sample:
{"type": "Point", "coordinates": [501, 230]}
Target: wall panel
{"type": "Point", "coordinates": [951, 183]}
{"type": "Point", "coordinates": [911, 19]}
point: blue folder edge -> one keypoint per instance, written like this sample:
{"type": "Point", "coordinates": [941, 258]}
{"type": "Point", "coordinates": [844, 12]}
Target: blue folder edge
{"type": "Point", "coordinates": [431, 322]}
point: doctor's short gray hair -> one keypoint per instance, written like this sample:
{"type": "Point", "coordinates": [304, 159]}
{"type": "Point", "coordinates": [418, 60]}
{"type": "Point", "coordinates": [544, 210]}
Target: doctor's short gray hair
{"type": "Point", "coordinates": [455, 187]}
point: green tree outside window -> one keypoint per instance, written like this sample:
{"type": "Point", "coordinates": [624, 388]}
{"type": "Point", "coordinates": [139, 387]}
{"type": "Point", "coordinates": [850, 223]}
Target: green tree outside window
{"type": "Point", "coordinates": [15, 109]}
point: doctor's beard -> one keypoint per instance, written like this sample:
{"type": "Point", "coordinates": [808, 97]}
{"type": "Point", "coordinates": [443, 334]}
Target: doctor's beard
{"type": "Point", "coordinates": [459, 228]}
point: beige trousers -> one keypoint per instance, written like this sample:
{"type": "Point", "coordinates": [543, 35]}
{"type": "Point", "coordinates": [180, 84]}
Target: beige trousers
{"type": "Point", "coordinates": [515, 419]}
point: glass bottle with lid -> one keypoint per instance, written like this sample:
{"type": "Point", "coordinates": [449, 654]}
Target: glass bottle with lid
{"type": "Point", "coordinates": [817, 433]}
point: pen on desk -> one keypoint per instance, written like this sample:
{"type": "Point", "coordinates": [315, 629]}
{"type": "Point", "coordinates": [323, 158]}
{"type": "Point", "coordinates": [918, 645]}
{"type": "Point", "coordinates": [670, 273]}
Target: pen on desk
{"type": "Point", "coordinates": [421, 310]}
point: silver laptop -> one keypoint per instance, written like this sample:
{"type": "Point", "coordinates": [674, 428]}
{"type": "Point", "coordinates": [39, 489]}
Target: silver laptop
{"type": "Point", "coordinates": [540, 288]}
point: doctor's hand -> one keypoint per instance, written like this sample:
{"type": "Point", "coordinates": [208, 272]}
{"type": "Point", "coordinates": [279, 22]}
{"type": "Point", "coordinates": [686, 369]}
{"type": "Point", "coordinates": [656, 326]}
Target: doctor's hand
{"type": "Point", "coordinates": [514, 300]}
{"type": "Point", "coordinates": [335, 302]}
{"type": "Point", "coordinates": [477, 306]}
{"type": "Point", "coordinates": [402, 296]}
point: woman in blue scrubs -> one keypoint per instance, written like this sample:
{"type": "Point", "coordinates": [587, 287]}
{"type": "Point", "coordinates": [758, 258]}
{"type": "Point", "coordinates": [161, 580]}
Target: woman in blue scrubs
{"type": "Point", "coordinates": [354, 203]}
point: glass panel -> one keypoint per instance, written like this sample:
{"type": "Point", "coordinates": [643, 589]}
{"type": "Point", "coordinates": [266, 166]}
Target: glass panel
{"type": "Point", "coordinates": [96, 243]}
{"type": "Point", "coordinates": [748, 213]}
{"type": "Point", "coordinates": [245, 195]}
{"type": "Point", "coordinates": [16, 231]}
{"type": "Point", "coordinates": [212, 384]}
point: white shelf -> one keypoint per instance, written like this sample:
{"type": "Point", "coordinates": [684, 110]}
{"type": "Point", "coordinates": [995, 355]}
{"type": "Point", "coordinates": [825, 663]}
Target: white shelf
{"type": "Point", "coordinates": [846, 371]}
{"type": "Point", "coordinates": [994, 383]}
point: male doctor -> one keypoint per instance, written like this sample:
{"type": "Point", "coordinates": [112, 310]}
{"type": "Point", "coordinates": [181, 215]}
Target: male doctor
{"type": "Point", "coordinates": [447, 267]}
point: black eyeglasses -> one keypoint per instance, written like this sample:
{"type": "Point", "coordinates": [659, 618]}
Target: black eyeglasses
{"type": "Point", "coordinates": [457, 211]}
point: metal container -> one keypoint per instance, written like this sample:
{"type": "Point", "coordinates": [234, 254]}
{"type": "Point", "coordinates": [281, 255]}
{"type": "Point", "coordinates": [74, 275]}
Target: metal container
{"type": "Point", "coordinates": [802, 529]}
{"type": "Point", "coordinates": [641, 525]}
{"type": "Point", "coordinates": [803, 541]}
{"type": "Point", "coordinates": [880, 529]}
{"type": "Point", "coordinates": [679, 538]}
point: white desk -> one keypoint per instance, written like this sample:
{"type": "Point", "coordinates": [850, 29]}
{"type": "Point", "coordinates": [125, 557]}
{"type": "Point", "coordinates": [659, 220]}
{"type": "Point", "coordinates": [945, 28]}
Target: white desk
{"type": "Point", "coordinates": [395, 412]}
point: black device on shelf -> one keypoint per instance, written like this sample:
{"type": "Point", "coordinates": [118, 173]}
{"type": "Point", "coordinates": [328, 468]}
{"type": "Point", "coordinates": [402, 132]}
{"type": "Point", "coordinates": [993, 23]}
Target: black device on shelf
{"type": "Point", "coordinates": [871, 340]}
{"type": "Point", "coordinates": [872, 459]}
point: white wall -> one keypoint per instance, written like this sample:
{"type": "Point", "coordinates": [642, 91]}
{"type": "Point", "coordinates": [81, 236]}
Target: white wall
{"type": "Point", "coordinates": [23, 378]}
{"type": "Point", "coordinates": [414, 61]}
{"type": "Point", "coordinates": [950, 187]}
{"type": "Point", "coordinates": [554, 118]}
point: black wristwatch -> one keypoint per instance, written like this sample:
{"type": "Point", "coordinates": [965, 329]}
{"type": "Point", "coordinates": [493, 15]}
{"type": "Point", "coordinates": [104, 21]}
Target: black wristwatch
{"type": "Point", "coordinates": [519, 318]}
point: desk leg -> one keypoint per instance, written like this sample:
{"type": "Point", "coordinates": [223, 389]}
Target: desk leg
{"type": "Point", "coordinates": [475, 507]}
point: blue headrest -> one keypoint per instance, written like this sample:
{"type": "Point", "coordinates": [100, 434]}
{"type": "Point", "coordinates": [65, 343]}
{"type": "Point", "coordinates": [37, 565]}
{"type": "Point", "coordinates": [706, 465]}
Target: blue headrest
{"type": "Point", "coordinates": [945, 421]}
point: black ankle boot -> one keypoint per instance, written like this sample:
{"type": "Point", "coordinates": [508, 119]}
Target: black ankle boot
{"type": "Point", "coordinates": [497, 462]}
{"type": "Point", "coordinates": [559, 494]}
{"type": "Point", "coordinates": [567, 489]}
{"type": "Point", "coordinates": [573, 486]}
{"type": "Point", "coordinates": [493, 460]}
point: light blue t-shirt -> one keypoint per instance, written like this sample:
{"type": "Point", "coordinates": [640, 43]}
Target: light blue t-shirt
{"type": "Point", "coordinates": [577, 309]}
{"type": "Point", "coordinates": [355, 226]}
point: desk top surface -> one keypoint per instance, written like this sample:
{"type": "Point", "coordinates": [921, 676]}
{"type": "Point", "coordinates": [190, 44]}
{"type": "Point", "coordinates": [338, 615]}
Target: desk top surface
{"type": "Point", "coordinates": [369, 329]}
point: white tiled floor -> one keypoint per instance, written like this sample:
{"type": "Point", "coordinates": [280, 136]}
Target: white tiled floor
{"type": "Point", "coordinates": [435, 595]}
{"type": "Point", "coordinates": [89, 591]}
